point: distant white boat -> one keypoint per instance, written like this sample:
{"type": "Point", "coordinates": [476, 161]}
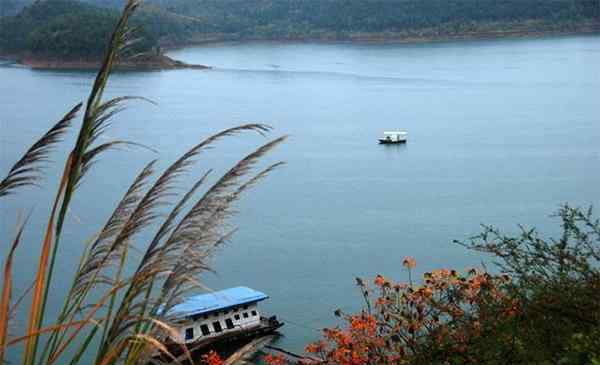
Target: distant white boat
{"type": "Point", "coordinates": [394, 137]}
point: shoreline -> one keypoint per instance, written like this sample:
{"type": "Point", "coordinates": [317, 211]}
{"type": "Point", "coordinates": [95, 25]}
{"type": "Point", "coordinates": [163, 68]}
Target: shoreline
{"type": "Point", "coordinates": [164, 62]}
{"type": "Point", "coordinates": [389, 38]}
{"type": "Point", "coordinates": [145, 63]}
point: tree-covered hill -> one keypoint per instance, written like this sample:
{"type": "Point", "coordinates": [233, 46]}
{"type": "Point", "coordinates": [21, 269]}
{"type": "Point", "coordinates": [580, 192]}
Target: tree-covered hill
{"type": "Point", "coordinates": [69, 28]}
{"type": "Point", "coordinates": [288, 17]}
{"type": "Point", "coordinates": [63, 29]}
{"type": "Point", "coordinates": [348, 19]}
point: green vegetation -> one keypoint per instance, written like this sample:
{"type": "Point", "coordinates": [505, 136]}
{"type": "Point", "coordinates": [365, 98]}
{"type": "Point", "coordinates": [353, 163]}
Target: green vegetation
{"type": "Point", "coordinates": [64, 28]}
{"type": "Point", "coordinates": [341, 19]}
{"type": "Point", "coordinates": [542, 307]}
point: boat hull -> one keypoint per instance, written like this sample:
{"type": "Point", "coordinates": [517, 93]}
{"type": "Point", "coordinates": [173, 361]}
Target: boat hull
{"type": "Point", "coordinates": [227, 343]}
{"type": "Point", "coordinates": [385, 141]}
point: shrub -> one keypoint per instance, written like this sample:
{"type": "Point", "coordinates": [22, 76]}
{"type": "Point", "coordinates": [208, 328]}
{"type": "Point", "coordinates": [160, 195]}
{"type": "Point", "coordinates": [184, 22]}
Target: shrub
{"type": "Point", "coordinates": [542, 307]}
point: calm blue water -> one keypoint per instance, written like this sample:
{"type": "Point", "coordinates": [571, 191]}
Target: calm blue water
{"type": "Point", "coordinates": [501, 132]}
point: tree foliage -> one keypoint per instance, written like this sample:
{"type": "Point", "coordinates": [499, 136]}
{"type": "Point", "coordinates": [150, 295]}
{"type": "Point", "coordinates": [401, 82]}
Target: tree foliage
{"type": "Point", "coordinates": [543, 307]}
{"type": "Point", "coordinates": [305, 17]}
{"type": "Point", "coordinates": [67, 27]}
{"type": "Point", "coordinates": [64, 29]}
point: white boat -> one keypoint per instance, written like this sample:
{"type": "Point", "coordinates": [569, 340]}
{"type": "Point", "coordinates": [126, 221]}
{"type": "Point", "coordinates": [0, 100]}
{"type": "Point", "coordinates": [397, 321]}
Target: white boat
{"type": "Point", "coordinates": [221, 316]}
{"type": "Point", "coordinates": [394, 137]}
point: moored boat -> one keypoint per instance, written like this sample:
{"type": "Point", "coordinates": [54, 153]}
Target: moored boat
{"type": "Point", "coordinates": [218, 318]}
{"type": "Point", "coordinates": [392, 137]}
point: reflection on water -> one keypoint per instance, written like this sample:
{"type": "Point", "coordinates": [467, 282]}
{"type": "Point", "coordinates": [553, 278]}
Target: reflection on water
{"type": "Point", "coordinates": [392, 149]}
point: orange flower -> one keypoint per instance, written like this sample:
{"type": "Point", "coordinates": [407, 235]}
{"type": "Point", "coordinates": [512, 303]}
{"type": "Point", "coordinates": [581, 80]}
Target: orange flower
{"type": "Point", "coordinates": [212, 358]}
{"type": "Point", "coordinates": [381, 301]}
{"type": "Point", "coordinates": [316, 347]}
{"type": "Point", "coordinates": [409, 262]}
{"type": "Point", "coordinates": [275, 359]}
{"type": "Point", "coordinates": [427, 292]}
{"type": "Point", "coordinates": [424, 313]}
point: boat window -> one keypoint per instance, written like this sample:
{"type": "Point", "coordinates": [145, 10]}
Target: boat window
{"type": "Point", "coordinates": [245, 307]}
{"type": "Point", "coordinates": [217, 326]}
{"type": "Point", "coordinates": [245, 314]}
{"type": "Point", "coordinates": [206, 316]}
{"type": "Point", "coordinates": [189, 333]}
{"type": "Point", "coordinates": [205, 330]}
{"type": "Point", "coordinates": [216, 314]}
{"type": "Point", "coordinates": [253, 313]}
{"type": "Point", "coordinates": [237, 317]}
{"type": "Point", "coordinates": [229, 323]}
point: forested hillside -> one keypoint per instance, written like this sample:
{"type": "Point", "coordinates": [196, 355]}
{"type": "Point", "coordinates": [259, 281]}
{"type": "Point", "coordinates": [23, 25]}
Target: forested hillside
{"type": "Point", "coordinates": [63, 29]}
{"type": "Point", "coordinates": [348, 19]}
{"type": "Point", "coordinates": [290, 17]}
{"type": "Point", "coordinates": [68, 28]}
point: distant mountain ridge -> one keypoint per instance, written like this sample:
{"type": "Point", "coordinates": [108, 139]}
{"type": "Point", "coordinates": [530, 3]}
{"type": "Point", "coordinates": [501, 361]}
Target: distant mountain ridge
{"type": "Point", "coordinates": [70, 28]}
{"type": "Point", "coordinates": [339, 19]}
{"type": "Point", "coordinates": [356, 14]}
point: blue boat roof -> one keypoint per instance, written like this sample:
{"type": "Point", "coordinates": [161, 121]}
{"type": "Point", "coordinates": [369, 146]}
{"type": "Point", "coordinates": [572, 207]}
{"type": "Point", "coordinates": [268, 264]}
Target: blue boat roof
{"type": "Point", "coordinates": [211, 302]}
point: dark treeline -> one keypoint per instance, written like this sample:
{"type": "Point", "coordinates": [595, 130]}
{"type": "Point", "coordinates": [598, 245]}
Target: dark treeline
{"type": "Point", "coordinates": [65, 28]}
{"type": "Point", "coordinates": [341, 18]}
{"type": "Point", "coordinates": [288, 17]}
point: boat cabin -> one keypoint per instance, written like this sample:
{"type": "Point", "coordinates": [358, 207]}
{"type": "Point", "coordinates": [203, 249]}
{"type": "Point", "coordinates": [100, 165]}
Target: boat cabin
{"type": "Point", "coordinates": [213, 315]}
{"type": "Point", "coordinates": [394, 137]}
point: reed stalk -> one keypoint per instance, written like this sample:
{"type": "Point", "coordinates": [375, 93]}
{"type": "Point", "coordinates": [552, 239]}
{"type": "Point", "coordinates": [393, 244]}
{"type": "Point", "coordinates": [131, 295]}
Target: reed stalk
{"type": "Point", "coordinates": [128, 308]}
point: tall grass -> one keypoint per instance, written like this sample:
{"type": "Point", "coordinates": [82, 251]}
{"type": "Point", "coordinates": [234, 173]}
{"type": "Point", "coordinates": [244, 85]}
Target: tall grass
{"type": "Point", "coordinates": [109, 314]}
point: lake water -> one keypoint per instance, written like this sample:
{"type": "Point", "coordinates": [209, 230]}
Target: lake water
{"type": "Point", "coordinates": [500, 132]}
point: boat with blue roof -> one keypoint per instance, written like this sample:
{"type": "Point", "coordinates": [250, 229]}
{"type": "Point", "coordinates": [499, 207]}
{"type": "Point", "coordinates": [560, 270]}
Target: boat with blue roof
{"type": "Point", "coordinates": [225, 316]}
